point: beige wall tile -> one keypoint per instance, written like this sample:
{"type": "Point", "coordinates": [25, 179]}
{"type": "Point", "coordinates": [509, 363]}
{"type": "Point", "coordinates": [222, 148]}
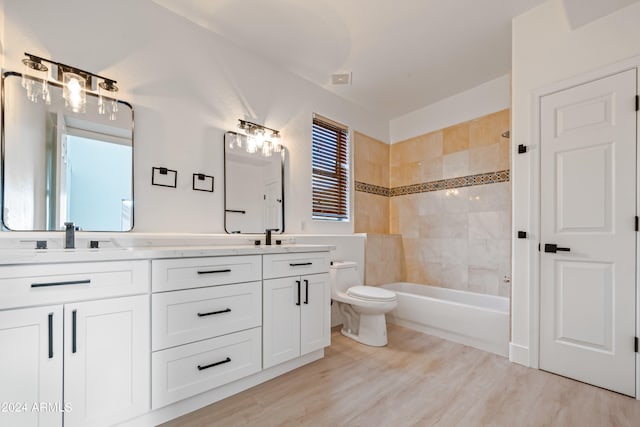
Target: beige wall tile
{"type": "Point", "coordinates": [455, 164]}
{"type": "Point", "coordinates": [455, 138]}
{"type": "Point", "coordinates": [371, 213]}
{"type": "Point", "coordinates": [371, 160]}
{"type": "Point", "coordinates": [484, 159]}
{"type": "Point", "coordinates": [488, 129]}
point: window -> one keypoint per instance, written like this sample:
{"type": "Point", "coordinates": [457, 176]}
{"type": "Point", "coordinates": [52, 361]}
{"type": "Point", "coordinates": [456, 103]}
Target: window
{"type": "Point", "coordinates": [330, 164]}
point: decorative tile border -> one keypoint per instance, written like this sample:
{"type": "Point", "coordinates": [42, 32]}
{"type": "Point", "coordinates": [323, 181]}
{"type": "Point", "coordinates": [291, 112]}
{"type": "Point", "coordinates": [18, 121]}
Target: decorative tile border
{"type": "Point", "coordinates": [442, 184]}
{"type": "Point", "coordinates": [373, 189]}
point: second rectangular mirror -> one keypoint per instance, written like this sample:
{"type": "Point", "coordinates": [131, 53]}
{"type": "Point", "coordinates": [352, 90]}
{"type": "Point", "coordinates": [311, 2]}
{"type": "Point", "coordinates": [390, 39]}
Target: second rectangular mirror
{"type": "Point", "coordinates": [253, 187]}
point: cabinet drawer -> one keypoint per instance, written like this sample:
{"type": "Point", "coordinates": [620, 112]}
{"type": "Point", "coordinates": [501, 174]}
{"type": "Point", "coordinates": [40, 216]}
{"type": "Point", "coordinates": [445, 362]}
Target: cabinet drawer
{"type": "Point", "coordinates": [181, 372]}
{"type": "Point", "coordinates": [181, 317]}
{"type": "Point", "coordinates": [57, 283]}
{"type": "Point", "coordinates": [185, 273]}
{"type": "Point", "coordinates": [284, 265]}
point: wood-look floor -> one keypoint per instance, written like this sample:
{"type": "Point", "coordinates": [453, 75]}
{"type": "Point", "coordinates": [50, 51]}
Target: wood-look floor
{"type": "Point", "coordinates": [417, 380]}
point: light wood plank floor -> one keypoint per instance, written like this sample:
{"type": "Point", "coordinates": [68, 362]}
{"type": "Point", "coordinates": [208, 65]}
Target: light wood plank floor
{"type": "Point", "coordinates": [417, 380]}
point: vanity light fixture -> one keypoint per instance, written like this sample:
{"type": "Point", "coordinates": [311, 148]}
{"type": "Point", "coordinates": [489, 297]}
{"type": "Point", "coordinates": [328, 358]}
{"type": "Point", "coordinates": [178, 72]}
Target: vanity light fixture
{"type": "Point", "coordinates": [76, 83]}
{"type": "Point", "coordinates": [259, 138]}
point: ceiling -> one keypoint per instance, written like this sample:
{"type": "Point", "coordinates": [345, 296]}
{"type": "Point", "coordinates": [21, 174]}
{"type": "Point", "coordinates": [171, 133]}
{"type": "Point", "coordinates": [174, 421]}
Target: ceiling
{"type": "Point", "coordinates": [403, 54]}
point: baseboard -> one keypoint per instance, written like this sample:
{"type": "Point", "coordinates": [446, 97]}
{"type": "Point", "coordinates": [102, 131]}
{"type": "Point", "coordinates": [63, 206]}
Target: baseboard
{"type": "Point", "coordinates": [519, 354]}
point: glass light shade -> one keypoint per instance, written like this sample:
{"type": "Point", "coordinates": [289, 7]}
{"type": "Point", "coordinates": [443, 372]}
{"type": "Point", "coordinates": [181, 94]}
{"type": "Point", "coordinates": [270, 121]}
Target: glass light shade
{"type": "Point", "coordinates": [74, 93]}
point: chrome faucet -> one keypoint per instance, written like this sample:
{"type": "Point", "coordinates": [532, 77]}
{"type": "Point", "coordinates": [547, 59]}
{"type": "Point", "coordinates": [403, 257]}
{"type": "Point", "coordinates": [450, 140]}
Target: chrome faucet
{"type": "Point", "coordinates": [267, 238]}
{"type": "Point", "coordinates": [69, 235]}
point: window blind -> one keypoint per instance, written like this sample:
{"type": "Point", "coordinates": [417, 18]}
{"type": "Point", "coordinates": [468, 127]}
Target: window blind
{"type": "Point", "coordinates": [330, 162]}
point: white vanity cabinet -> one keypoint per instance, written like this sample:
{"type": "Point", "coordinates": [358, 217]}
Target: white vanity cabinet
{"type": "Point", "coordinates": [297, 306]}
{"type": "Point", "coordinates": [30, 366]}
{"type": "Point", "coordinates": [95, 351]}
{"type": "Point", "coordinates": [206, 324]}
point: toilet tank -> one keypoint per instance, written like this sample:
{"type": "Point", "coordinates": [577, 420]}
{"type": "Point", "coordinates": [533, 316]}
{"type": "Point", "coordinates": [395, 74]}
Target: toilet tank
{"type": "Point", "coordinates": [343, 275]}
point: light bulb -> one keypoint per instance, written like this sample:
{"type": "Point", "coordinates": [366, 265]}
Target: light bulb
{"type": "Point", "coordinates": [74, 92]}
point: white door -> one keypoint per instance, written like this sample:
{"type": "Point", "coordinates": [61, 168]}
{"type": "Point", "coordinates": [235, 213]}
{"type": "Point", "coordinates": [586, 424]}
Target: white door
{"type": "Point", "coordinates": [588, 207]}
{"type": "Point", "coordinates": [281, 320]}
{"type": "Point", "coordinates": [107, 361]}
{"type": "Point", "coordinates": [315, 314]}
{"type": "Point", "coordinates": [31, 367]}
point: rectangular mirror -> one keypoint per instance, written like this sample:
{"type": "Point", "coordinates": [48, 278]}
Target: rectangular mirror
{"type": "Point", "coordinates": [253, 187]}
{"type": "Point", "coordinates": [59, 166]}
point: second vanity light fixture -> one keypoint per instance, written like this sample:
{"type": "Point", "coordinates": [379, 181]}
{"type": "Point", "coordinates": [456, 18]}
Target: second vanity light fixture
{"type": "Point", "coordinates": [259, 138]}
{"type": "Point", "coordinates": [75, 85]}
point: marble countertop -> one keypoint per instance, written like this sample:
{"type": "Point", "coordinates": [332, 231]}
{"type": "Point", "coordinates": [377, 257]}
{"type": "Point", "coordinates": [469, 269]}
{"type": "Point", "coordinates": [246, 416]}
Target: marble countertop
{"type": "Point", "coordinates": [45, 256]}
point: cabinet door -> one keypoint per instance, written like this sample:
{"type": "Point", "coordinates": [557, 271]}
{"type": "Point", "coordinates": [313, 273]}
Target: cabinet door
{"type": "Point", "coordinates": [281, 320]}
{"type": "Point", "coordinates": [107, 360]}
{"type": "Point", "coordinates": [31, 367]}
{"type": "Point", "coordinates": [315, 314]}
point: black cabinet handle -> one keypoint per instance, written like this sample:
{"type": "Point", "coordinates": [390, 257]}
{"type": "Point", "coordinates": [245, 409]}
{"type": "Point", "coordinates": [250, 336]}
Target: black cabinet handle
{"type": "Point", "coordinates": [70, 282]}
{"type": "Point", "coordinates": [227, 270]}
{"type": "Point", "coordinates": [299, 264]}
{"type": "Point", "coordinates": [50, 335]}
{"type": "Point", "coordinates": [74, 328]}
{"type": "Point", "coordinates": [222, 362]}
{"type": "Point", "coordinates": [306, 291]}
{"type": "Point", "coordinates": [226, 310]}
{"type": "Point", "coordinates": [553, 248]}
{"type": "Point", "coordinates": [298, 282]}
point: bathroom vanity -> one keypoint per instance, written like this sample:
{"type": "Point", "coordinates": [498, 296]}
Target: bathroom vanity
{"type": "Point", "coordinates": [141, 336]}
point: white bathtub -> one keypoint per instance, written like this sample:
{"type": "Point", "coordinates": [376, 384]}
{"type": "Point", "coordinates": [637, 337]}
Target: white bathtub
{"type": "Point", "coordinates": [477, 320]}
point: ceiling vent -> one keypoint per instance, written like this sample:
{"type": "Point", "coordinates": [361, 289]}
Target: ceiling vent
{"type": "Point", "coordinates": [341, 79]}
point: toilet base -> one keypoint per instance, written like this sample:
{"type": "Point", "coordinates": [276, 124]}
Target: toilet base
{"type": "Point", "coordinates": [371, 331]}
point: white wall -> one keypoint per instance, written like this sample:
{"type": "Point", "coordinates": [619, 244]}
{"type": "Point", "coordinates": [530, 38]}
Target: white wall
{"type": "Point", "coordinates": [479, 101]}
{"type": "Point", "coordinates": [187, 87]}
{"type": "Point", "coordinates": [545, 52]}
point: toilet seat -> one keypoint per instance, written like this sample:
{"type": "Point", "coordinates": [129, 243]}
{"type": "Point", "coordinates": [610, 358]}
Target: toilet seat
{"type": "Point", "coordinates": [371, 293]}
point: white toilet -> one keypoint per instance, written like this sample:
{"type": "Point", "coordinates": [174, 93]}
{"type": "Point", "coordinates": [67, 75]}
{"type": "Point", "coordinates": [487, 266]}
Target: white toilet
{"type": "Point", "coordinates": [362, 307]}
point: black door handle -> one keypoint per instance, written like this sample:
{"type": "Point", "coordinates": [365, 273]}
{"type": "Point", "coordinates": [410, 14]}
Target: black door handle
{"type": "Point", "coordinates": [50, 335]}
{"type": "Point", "coordinates": [298, 283]}
{"type": "Point", "coordinates": [306, 291]}
{"type": "Point", "coordinates": [74, 328]}
{"type": "Point", "coordinates": [553, 248]}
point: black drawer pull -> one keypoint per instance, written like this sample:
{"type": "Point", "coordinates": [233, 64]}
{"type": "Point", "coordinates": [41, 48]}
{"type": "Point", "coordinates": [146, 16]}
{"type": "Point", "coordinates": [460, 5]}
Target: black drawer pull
{"type": "Point", "coordinates": [202, 368]}
{"type": "Point", "coordinates": [306, 291]}
{"type": "Point", "coordinates": [50, 335]}
{"type": "Point", "coordinates": [228, 270]}
{"type": "Point", "coordinates": [74, 328]}
{"type": "Point", "coordinates": [299, 264]}
{"type": "Point", "coordinates": [70, 282]}
{"type": "Point", "coordinates": [298, 283]}
{"type": "Point", "coordinates": [553, 248]}
{"type": "Point", "coordinates": [226, 310]}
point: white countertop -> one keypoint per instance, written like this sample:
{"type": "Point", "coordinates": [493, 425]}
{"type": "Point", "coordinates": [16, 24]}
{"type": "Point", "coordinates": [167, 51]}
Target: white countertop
{"type": "Point", "coordinates": [43, 256]}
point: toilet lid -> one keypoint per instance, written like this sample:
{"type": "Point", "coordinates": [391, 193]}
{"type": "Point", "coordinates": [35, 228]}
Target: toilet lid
{"type": "Point", "coordinates": [371, 293]}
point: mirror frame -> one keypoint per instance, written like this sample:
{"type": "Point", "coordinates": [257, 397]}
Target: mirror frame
{"type": "Point", "coordinates": [57, 84]}
{"type": "Point", "coordinates": [283, 154]}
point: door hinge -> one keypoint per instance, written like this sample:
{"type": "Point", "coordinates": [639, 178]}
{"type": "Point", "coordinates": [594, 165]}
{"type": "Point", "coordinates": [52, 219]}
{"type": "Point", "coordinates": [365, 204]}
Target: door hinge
{"type": "Point", "coordinates": [522, 149]}
{"type": "Point", "coordinates": [635, 346]}
{"type": "Point", "coordinates": [637, 102]}
{"type": "Point", "coordinates": [637, 223]}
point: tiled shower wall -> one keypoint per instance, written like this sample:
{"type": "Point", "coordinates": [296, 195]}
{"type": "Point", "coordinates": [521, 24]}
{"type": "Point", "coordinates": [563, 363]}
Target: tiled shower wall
{"type": "Point", "coordinates": [449, 198]}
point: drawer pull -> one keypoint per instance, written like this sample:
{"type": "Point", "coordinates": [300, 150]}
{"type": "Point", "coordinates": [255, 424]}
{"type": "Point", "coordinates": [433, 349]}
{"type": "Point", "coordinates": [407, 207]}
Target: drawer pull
{"type": "Point", "coordinates": [228, 270]}
{"type": "Point", "coordinates": [226, 310]}
{"type": "Point", "coordinates": [50, 335]}
{"type": "Point", "coordinates": [74, 329]}
{"type": "Point", "coordinates": [202, 368]}
{"type": "Point", "coordinates": [70, 282]}
{"type": "Point", "coordinates": [299, 264]}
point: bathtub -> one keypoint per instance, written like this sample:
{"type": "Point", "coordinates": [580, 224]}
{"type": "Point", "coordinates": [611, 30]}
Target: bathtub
{"type": "Point", "coordinates": [476, 320]}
